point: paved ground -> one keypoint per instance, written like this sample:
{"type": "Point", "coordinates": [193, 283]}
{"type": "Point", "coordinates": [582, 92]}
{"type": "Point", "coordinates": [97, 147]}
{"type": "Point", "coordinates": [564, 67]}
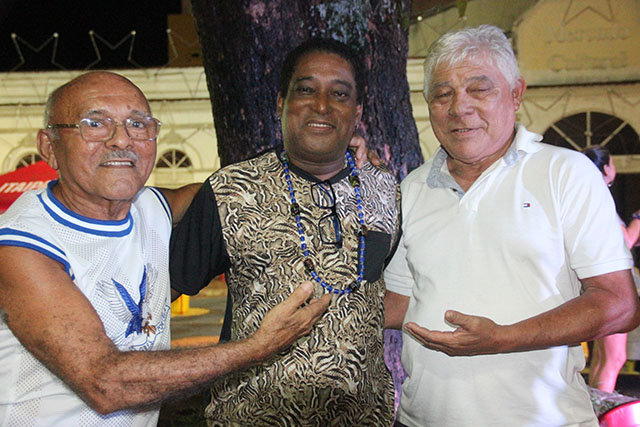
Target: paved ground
{"type": "Point", "coordinates": [195, 328]}
{"type": "Point", "coordinates": [629, 385]}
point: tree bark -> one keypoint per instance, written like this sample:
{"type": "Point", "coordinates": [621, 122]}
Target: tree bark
{"type": "Point", "coordinates": [244, 42]}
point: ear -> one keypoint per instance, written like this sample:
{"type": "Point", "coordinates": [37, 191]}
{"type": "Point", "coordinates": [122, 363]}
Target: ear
{"type": "Point", "coordinates": [606, 173]}
{"type": "Point", "coordinates": [45, 148]}
{"type": "Point", "coordinates": [358, 113]}
{"type": "Point", "coordinates": [279, 105]}
{"type": "Point", "coordinates": [518, 92]}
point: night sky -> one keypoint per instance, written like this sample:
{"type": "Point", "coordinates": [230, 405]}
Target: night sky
{"type": "Point", "coordinates": [35, 21]}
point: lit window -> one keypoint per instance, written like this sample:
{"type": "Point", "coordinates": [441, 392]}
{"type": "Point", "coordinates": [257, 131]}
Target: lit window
{"type": "Point", "coordinates": [583, 130]}
{"type": "Point", "coordinates": [29, 159]}
{"type": "Point", "coordinates": [173, 159]}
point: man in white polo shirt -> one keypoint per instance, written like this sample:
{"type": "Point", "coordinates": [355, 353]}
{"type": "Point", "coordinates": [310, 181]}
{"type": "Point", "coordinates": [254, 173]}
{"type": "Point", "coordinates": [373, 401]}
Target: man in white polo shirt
{"type": "Point", "coordinates": [507, 260]}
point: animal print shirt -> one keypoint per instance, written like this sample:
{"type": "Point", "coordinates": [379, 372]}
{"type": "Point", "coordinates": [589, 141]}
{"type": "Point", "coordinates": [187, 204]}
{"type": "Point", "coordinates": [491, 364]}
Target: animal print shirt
{"type": "Point", "coordinates": [336, 374]}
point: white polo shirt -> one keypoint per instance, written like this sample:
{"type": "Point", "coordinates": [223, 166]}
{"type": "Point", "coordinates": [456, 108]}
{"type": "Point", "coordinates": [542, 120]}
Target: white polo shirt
{"type": "Point", "coordinates": [511, 247]}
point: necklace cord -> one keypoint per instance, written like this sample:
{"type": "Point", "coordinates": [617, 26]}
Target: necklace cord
{"type": "Point", "coordinates": [354, 181]}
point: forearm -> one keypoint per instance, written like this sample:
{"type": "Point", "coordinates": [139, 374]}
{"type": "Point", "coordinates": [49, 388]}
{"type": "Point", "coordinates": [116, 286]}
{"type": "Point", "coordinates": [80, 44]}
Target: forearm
{"type": "Point", "coordinates": [137, 379]}
{"type": "Point", "coordinates": [632, 232]}
{"type": "Point", "coordinates": [42, 307]}
{"type": "Point", "coordinates": [594, 314]}
{"type": "Point", "coordinates": [395, 308]}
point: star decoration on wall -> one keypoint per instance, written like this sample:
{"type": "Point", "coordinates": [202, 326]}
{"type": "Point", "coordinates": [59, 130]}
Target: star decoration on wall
{"type": "Point", "coordinates": [33, 53]}
{"type": "Point", "coordinates": [174, 40]}
{"type": "Point", "coordinates": [96, 40]}
{"type": "Point", "coordinates": [524, 115]}
{"type": "Point", "coordinates": [601, 8]}
{"type": "Point", "coordinates": [424, 30]}
{"type": "Point", "coordinates": [615, 97]}
{"type": "Point", "coordinates": [100, 52]}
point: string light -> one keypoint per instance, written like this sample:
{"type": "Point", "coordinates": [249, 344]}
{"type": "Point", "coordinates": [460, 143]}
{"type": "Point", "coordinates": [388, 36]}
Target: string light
{"type": "Point", "coordinates": [98, 44]}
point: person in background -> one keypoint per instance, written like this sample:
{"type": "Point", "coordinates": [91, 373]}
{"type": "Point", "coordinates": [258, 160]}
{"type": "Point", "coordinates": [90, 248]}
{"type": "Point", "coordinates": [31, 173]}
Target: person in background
{"type": "Point", "coordinates": [84, 277]}
{"type": "Point", "coordinates": [604, 162]}
{"type": "Point", "coordinates": [610, 352]}
{"type": "Point", "coordinates": [302, 211]}
{"type": "Point", "coordinates": [510, 256]}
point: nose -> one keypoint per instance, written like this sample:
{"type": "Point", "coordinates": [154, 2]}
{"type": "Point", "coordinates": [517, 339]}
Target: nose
{"type": "Point", "coordinates": [120, 138]}
{"type": "Point", "coordinates": [321, 103]}
{"type": "Point", "coordinates": [460, 104]}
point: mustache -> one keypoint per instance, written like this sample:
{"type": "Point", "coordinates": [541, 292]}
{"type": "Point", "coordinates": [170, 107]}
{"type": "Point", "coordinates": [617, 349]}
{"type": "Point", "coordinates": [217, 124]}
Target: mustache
{"type": "Point", "coordinates": [119, 155]}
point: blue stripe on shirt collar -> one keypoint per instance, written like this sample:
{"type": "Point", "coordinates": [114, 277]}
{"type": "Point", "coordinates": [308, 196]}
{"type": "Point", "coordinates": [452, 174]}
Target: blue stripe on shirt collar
{"type": "Point", "coordinates": [67, 217]}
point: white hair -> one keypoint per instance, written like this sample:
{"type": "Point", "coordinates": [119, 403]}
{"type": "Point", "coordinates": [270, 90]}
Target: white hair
{"type": "Point", "coordinates": [485, 41]}
{"type": "Point", "coordinates": [52, 100]}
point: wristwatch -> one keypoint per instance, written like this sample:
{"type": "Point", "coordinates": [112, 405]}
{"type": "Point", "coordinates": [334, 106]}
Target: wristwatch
{"type": "Point", "coordinates": [635, 215]}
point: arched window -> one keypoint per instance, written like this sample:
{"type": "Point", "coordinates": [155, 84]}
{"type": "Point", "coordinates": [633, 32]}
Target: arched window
{"type": "Point", "coordinates": [173, 159]}
{"type": "Point", "coordinates": [583, 130]}
{"type": "Point", "coordinates": [28, 159]}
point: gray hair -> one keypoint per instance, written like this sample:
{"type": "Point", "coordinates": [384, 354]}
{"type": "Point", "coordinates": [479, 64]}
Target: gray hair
{"type": "Point", "coordinates": [455, 47]}
{"type": "Point", "coordinates": [50, 105]}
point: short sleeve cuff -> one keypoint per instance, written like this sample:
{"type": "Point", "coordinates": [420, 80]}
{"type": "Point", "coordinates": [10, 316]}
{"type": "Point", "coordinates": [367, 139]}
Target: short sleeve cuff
{"type": "Point", "coordinates": [603, 268]}
{"type": "Point", "coordinates": [398, 284]}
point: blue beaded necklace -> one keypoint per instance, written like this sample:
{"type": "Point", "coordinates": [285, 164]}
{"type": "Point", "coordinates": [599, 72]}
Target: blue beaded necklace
{"type": "Point", "coordinates": [354, 180]}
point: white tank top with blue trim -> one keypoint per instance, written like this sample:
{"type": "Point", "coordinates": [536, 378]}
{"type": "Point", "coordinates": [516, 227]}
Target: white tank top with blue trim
{"type": "Point", "coordinates": [122, 269]}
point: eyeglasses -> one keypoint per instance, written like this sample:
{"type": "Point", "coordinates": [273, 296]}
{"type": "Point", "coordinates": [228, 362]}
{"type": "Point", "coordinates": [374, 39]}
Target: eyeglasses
{"type": "Point", "coordinates": [329, 227]}
{"type": "Point", "coordinates": [102, 129]}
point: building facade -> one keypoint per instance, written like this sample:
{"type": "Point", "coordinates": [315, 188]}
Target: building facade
{"type": "Point", "coordinates": [580, 58]}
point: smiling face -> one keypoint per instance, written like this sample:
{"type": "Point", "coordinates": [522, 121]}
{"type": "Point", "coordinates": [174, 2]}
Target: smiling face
{"type": "Point", "coordinates": [320, 111]}
{"type": "Point", "coordinates": [97, 174]}
{"type": "Point", "coordinates": [473, 110]}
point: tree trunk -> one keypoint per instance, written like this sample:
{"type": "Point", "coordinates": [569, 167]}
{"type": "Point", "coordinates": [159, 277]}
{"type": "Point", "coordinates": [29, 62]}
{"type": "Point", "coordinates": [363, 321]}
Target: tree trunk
{"type": "Point", "coordinates": [244, 42]}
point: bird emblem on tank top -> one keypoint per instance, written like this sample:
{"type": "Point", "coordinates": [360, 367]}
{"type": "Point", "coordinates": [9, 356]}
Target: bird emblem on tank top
{"type": "Point", "coordinates": [136, 315]}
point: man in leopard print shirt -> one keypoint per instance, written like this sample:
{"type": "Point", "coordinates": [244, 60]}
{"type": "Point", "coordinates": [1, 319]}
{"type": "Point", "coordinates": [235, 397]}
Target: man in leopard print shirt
{"type": "Point", "coordinates": [297, 213]}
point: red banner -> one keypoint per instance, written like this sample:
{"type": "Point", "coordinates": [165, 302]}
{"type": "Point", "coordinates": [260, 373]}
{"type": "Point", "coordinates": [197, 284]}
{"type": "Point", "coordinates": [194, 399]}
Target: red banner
{"type": "Point", "coordinates": [31, 177]}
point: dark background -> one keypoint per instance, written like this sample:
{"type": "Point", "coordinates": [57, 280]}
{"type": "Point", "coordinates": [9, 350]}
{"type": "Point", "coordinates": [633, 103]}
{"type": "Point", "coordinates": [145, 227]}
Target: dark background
{"type": "Point", "coordinates": [35, 21]}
